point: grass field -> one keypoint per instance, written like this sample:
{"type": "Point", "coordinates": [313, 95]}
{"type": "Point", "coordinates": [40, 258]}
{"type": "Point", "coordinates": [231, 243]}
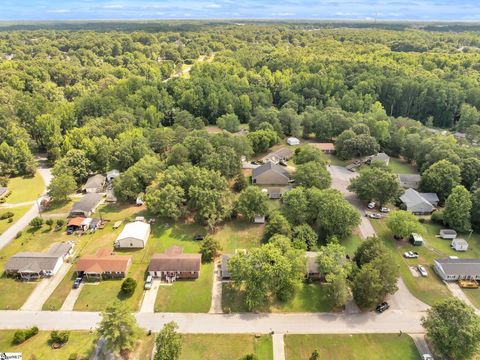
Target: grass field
{"type": "Point", "coordinates": [239, 234]}
{"type": "Point", "coordinates": [187, 296]}
{"type": "Point", "coordinates": [225, 347]}
{"type": "Point", "coordinates": [18, 212]}
{"type": "Point", "coordinates": [37, 347]}
{"type": "Point", "coordinates": [308, 298]}
{"type": "Point", "coordinates": [399, 166]}
{"type": "Point", "coordinates": [25, 189]}
{"type": "Point", "coordinates": [474, 296]}
{"type": "Point", "coordinates": [351, 347]}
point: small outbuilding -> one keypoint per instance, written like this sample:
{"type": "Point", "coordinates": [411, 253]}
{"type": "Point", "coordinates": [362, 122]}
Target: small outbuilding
{"type": "Point", "coordinates": [112, 174]}
{"type": "Point", "coordinates": [312, 272]}
{"type": "Point", "coordinates": [459, 244]}
{"type": "Point", "coordinates": [95, 184]}
{"type": "Point", "coordinates": [292, 141]}
{"type": "Point", "coordinates": [448, 234]}
{"type": "Point", "coordinates": [225, 272]}
{"type": "Point", "coordinates": [416, 239]}
{"type": "Point", "coordinates": [259, 219]}
{"type": "Point", "coordinates": [133, 235]}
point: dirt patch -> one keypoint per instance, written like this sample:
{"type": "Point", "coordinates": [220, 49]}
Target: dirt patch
{"type": "Point", "coordinates": [414, 271]}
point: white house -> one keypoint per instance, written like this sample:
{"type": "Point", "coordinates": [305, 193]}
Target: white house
{"type": "Point", "coordinates": [453, 269]}
{"type": "Point", "coordinates": [459, 245]}
{"type": "Point", "coordinates": [293, 141]}
{"type": "Point", "coordinates": [133, 235]}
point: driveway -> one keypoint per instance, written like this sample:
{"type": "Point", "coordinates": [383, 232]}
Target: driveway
{"type": "Point", "coordinates": [149, 297]}
{"type": "Point", "coordinates": [278, 347]}
{"type": "Point", "coordinates": [420, 343]}
{"type": "Point", "coordinates": [216, 306]}
{"type": "Point", "coordinates": [340, 180]}
{"type": "Point", "coordinates": [71, 298]}
{"type": "Point", "coordinates": [44, 289]}
{"type": "Point", "coordinates": [457, 291]}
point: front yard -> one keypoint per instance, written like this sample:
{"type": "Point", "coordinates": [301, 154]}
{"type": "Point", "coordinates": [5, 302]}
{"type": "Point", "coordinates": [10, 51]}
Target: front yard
{"type": "Point", "coordinates": [187, 295]}
{"type": "Point", "coordinates": [17, 211]}
{"type": "Point", "coordinates": [308, 298]}
{"type": "Point", "coordinates": [351, 347]}
{"type": "Point", "coordinates": [25, 189]}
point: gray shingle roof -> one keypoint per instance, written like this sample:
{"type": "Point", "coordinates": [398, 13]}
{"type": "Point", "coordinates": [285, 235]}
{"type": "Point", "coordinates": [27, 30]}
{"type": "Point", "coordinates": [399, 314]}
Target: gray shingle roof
{"type": "Point", "coordinates": [87, 203]}
{"type": "Point", "coordinates": [460, 267]}
{"type": "Point", "coordinates": [408, 181]}
{"type": "Point", "coordinates": [283, 153]}
{"type": "Point", "coordinates": [267, 167]}
{"type": "Point", "coordinates": [225, 271]}
{"type": "Point", "coordinates": [95, 181]}
{"type": "Point", "coordinates": [413, 199]}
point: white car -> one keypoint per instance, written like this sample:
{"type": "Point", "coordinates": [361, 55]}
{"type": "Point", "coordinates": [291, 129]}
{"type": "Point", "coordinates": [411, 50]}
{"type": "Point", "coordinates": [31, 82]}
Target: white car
{"type": "Point", "coordinates": [371, 205]}
{"type": "Point", "coordinates": [384, 210]}
{"type": "Point", "coordinates": [148, 283]}
{"type": "Point", "coordinates": [422, 270]}
{"type": "Point", "coordinates": [427, 357]}
{"type": "Point", "coordinates": [410, 254]}
{"type": "Point", "coordinates": [375, 216]}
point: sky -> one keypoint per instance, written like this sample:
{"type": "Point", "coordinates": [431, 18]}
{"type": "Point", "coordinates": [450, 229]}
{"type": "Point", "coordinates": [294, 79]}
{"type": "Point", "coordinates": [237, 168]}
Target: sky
{"type": "Point", "coordinates": [449, 10]}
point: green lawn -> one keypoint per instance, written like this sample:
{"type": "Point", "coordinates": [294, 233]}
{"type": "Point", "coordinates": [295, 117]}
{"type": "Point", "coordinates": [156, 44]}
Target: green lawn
{"type": "Point", "coordinates": [428, 289]}
{"type": "Point", "coordinates": [334, 160]}
{"type": "Point", "coordinates": [351, 244]}
{"type": "Point", "coordinates": [308, 298]}
{"type": "Point", "coordinates": [188, 295]}
{"type": "Point", "coordinates": [25, 189]}
{"type": "Point", "coordinates": [37, 347]}
{"type": "Point", "coordinates": [225, 346]}
{"type": "Point", "coordinates": [239, 234]}
{"type": "Point", "coordinates": [18, 212]}
{"type": "Point", "coordinates": [474, 296]}
{"type": "Point", "coordinates": [399, 166]}
{"type": "Point", "coordinates": [351, 347]}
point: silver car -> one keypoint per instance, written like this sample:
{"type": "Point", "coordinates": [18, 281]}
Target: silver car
{"type": "Point", "coordinates": [422, 270]}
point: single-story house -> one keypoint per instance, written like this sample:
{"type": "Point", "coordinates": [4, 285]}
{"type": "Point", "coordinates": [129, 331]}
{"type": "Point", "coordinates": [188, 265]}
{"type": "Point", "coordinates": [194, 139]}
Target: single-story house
{"type": "Point", "coordinates": [419, 203]}
{"type": "Point", "coordinates": [95, 184]}
{"type": "Point", "coordinates": [380, 157]}
{"type": "Point", "coordinates": [416, 239]}
{"type": "Point", "coordinates": [33, 265]}
{"type": "Point", "coordinates": [259, 219]}
{"type": "Point", "coordinates": [103, 265]}
{"type": "Point", "coordinates": [409, 181]}
{"type": "Point", "coordinates": [3, 191]}
{"type": "Point", "coordinates": [326, 148]}
{"type": "Point", "coordinates": [293, 141]}
{"type": "Point", "coordinates": [133, 235]}
{"type": "Point", "coordinates": [270, 174]}
{"type": "Point", "coordinates": [459, 244]}
{"type": "Point", "coordinates": [312, 272]}
{"type": "Point", "coordinates": [225, 273]}
{"type": "Point", "coordinates": [275, 157]}
{"type": "Point", "coordinates": [453, 269]}
{"type": "Point", "coordinates": [174, 265]}
{"type": "Point", "coordinates": [112, 174]}
{"type": "Point", "coordinates": [86, 205]}
{"type": "Point", "coordinates": [274, 192]}
{"type": "Point", "coordinates": [448, 234]}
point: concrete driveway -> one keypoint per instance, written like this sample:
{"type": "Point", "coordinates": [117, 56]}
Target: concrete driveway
{"type": "Point", "coordinates": [71, 298]}
{"type": "Point", "coordinates": [456, 291]}
{"type": "Point", "coordinates": [149, 297]}
{"type": "Point", "coordinates": [216, 305]}
{"type": "Point", "coordinates": [44, 289]}
{"type": "Point", "coordinates": [340, 180]}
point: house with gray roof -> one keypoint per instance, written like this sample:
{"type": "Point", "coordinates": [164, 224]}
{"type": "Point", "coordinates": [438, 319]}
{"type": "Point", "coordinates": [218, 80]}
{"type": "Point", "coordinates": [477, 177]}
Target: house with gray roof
{"type": "Point", "coordinates": [380, 157]}
{"type": "Point", "coordinates": [409, 181]}
{"type": "Point", "coordinates": [225, 272]}
{"type": "Point", "coordinates": [312, 272]}
{"type": "Point", "coordinates": [33, 265]}
{"type": "Point", "coordinates": [95, 184]}
{"type": "Point", "coordinates": [270, 174]}
{"type": "Point", "coordinates": [276, 156]}
{"type": "Point", "coordinates": [86, 205]}
{"type": "Point", "coordinates": [419, 203]}
{"type": "Point", "coordinates": [453, 269]}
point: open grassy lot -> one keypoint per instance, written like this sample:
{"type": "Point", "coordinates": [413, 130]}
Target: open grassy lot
{"type": "Point", "coordinates": [351, 244]}
{"type": "Point", "coordinates": [225, 346]}
{"type": "Point", "coordinates": [334, 160]}
{"type": "Point", "coordinates": [37, 347]}
{"type": "Point", "coordinates": [187, 296]}
{"type": "Point", "coordinates": [25, 189]}
{"type": "Point", "coordinates": [351, 347]}
{"type": "Point", "coordinates": [399, 166]}
{"type": "Point", "coordinates": [18, 212]}
{"type": "Point", "coordinates": [428, 289]}
{"type": "Point", "coordinates": [308, 298]}
{"type": "Point", "coordinates": [239, 234]}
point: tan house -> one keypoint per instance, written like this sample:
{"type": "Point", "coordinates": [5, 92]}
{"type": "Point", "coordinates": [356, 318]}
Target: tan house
{"type": "Point", "coordinates": [174, 265]}
{"type": "Point", "coordinates": [103, 265]}
{"type": "Point", "coordinates": [326, 148]}
{"type": "Point", "coordinates": [270, 174]}
{"type": "Point", "coordinates": [283, 154]}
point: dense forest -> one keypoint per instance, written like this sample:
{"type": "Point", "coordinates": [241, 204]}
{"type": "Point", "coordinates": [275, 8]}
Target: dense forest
{"type": "Point", "coordinates": [107, 97]}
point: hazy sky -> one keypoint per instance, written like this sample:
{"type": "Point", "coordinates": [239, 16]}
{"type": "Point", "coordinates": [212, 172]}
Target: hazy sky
{"type": "Point", "coordinates": [240, 9]}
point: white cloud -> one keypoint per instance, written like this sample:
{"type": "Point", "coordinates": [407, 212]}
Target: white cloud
{"type": "Point", "coordinates": [58, 11]}
{"type": "Point", "coordinates": [213, 6]}
{"type": "Point", "coordinates": [113, 6]}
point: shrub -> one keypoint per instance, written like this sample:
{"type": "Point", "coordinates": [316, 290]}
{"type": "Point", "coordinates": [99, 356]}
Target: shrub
{"type": "Point", "coordinates": [6, 215]}
{"type": "Point", "coordinates": [250, 357]}
{"type": "Point", "coordinates": [18, 234]}
{"type": "Point", "coordinates": [10, 220]}
{"type": "Point", "coordinates": [437, 217]}
{"type": "Point", "coordinates": [36, 223]}
{"type": "Point", "coordinates": [21, 336]}
{"type": "Point", "coordinates": [73, 356]}
{"type": "Point", "coordinates": [209, 249]}
{"type": "Point", "coordinates": [59, 337]}
{"type": "Point", "coordinates": [49, 222]}
{"type": "Point", "coordinates": [129, 285]}
{"type": "Point", "coordinates": [60, 222]}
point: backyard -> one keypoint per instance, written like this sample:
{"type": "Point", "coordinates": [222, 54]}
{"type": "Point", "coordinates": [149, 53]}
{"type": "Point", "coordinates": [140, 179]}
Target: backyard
{"type": "Point", "coordinates": [351, 347]}
{"type": "Point", "coordinates": [399, 166]}
{"type": "Point", "coordinates": [25, 189]}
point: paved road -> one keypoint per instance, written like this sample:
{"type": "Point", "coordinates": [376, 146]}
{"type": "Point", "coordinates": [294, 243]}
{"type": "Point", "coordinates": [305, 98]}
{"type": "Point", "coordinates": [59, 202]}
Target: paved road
{"type": "Point", "coordinates": [340, 180]}
{"type": "Point", "coordinates": [391, 321]}
{"type": "Point", "coordinates": [278, 347]}
{"type": "Point", "coordinates": [44, 289]}
{"type": "Point", "coordinates": [149, 297]}
{"type": "Point", "coordinates": [23, 222]}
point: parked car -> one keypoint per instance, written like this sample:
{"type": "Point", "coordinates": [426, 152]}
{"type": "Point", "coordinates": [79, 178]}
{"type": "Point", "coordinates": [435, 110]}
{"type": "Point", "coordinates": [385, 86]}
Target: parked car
{"type": "Point", "coordinates": [382, 307]}
{"type": "Point", "coordinates": [427, 357]}
{"type": "Point", "coordinates": [283, 163]}
{"type": "Point", "coordinates": [375, 216]}
{"type": "Point", "coordinates": [371, 205]}
{"type": "Point", "coordinates": [410, 254]}
{"type": "Point", "coordinates": [198, 237]}
{"type": "Point", "coordinates": [253, 163]}
{"type": "Point", "coordinates": [148, 283]}
{"type": "Point", "coordinates": [77, 282]}
{"type": "Point", "coordinates": [70, 230]}
{"type": "Point", "coordinates": [384, 210]}
{"type": "Point", "coordinates": [422, 270]}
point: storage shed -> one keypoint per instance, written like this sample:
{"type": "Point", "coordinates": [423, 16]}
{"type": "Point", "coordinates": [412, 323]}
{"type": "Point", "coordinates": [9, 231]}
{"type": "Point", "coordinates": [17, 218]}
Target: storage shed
{"type": "Point", "coordinates": [448, 234]}
{"type": "Point", "coordinates": [459, 245]}
{"type": "Point", "coordinates": [133, 235]}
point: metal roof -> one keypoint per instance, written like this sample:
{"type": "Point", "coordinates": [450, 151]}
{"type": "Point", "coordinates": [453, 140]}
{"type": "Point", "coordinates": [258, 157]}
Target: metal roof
{"type": "Point", "coordinates": [460, 267]}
